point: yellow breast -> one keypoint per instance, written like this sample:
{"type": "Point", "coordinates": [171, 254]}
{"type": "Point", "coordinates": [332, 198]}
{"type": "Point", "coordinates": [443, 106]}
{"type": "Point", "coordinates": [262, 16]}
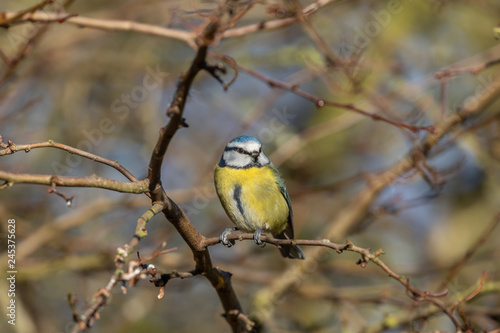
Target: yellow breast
{"type": "Point", "coordinates": [251, 198]}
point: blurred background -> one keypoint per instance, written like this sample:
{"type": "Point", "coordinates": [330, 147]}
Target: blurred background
{"type": "Point", "coordinates": [75, 81]}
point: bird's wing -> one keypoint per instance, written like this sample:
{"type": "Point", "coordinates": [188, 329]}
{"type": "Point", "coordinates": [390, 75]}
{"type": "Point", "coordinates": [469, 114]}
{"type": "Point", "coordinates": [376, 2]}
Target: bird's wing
{"type": "Point", "coordinates": [281, 185]}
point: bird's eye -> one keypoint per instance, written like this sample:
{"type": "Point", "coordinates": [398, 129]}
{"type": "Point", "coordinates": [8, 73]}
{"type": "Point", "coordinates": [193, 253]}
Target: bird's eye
{"type": "Point", "coordinates": [240, 150]}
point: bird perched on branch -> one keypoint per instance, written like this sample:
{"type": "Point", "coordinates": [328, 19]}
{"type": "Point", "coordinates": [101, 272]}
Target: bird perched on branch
{"type": "Point", "coordinates": [253, 194]}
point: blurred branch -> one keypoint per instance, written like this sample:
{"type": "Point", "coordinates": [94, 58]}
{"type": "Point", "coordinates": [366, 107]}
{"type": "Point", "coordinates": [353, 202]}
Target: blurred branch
{"type": "Point", "coordinates": [26, 47]}
{"type": "Point", "coordinates": [48, 232]}
{"type": "Point", "coordinates": [22, 52]}
{"type": "Point", "coordinates": [320, 102]}
{"type": "Point", "coordinates": [313, 133]}
{"type": "Point", "coordinates": [275, 24]}
{"type": "Point", "coordinates": [474, 70]}
{"type": "Point", "coordinates": [455, 268]}
{"type": "Point", "coordinates": [102, 24]}
{"type": "Point", "coordinates": [322, 46]}
{"type": "Point", "coordinates": [5, 19]}
{"type": "Point", "coordinates": [47, 267]}
{"type": "Point", "coordinates": [347, 218]}
{"type": "Point", "coordinates": [30, 15]}
{"type": "Point", "coordinates": [403, 317]}
{"type": "Point", "coordinates": [373, 294]}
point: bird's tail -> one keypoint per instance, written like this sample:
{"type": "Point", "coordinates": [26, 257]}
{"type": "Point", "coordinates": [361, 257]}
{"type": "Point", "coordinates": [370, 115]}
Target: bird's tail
{"type": "Point", "coordinates": [290, 250]}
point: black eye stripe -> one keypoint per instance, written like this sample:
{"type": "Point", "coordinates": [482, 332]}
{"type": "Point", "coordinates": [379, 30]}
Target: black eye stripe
{"type": "Point", "coordinates": [241, 150]}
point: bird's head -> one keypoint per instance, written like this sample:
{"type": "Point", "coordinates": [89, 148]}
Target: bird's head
{"type": "Point", "coordinates": [243, 152]}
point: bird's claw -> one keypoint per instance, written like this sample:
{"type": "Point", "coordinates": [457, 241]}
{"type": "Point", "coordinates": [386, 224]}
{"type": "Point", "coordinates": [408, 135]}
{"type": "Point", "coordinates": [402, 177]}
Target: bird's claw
{"type": "Point", "coordinates": [223, 237]}
{"type": "Point", "coordinates": [256, 238]}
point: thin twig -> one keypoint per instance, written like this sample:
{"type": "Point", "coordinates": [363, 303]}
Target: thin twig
{"type": "Point", "coordinates": [366, 254]}
{"type": "Point", "coordinates": [320, 102]}
{"type": "Point", "coordinates": [474, 70]}
{"type": "Point", "coordinates": [137, 270]}
{"type": "Point", "coordinates": [274, 24]}
{"type": "Point", "coordinates": [13, 148]}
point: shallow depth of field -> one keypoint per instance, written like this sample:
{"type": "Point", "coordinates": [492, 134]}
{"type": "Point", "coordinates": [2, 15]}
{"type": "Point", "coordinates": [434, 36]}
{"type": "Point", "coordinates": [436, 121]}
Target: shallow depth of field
{"type": "Point", "coordinates": [382, 117]}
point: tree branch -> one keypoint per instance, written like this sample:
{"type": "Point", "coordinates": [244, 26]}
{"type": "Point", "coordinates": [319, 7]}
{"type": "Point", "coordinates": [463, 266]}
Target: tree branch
{"type": "Point", "coordinates": [5, 19]}
{"type": "Point", "coordinates": [140, 186]}
{"type": "Point", "coordinates": [109, 25]}
{"type": "Point", "coordinates": [455, 268]}
{"type": "Point", "coordinates": [401, 318]}
{"type": "Point", "coordinates": [11, 148]}
{"type": "Point", "coordinates": [321, 102]}
{"type": "Point", "coordinates": [220, 280]}
{"type": "Point", "coordinates": [275, 24]}
{"type": "Point", "coordinates": [347, 218]}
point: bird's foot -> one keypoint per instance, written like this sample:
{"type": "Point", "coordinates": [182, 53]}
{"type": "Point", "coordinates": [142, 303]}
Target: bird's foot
{"type": "Point", "coordinates": [256, 237]}
{"type": "Point", "coordinates": [223, 237]}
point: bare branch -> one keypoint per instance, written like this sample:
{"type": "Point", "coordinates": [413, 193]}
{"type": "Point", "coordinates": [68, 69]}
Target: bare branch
{"type": "Point", "coordinates": [12, 148]}
{"type": "Point", "coordinates": [320, 102]}
{"type": "Point", "coordinates": [275, 24]}
{"type": "Point", "coordinates": [474, 70]}
{"type": "Point", "coordinates": [353, 213]}
{"type": "Point", "coordinates": [140, 186]}
{"type": "Point", "coordinates": [220, 280]}
{"type": "Point", "coordinates": [5, 19]}
{"type": "Point", "coordinates": [110, 25]}
{"type": "Point", "coordinates": [140, 230]}
{"type": "Point", "coordinates": [403, 317]}
{"type": "Point", "coordinates": [455, 268]}
{"type": "Point", "coordinates": [136, 271]}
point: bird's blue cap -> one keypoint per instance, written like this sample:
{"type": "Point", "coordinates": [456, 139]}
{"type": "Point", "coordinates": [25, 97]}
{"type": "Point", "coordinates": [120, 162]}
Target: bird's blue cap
{"type": "Point", "coordinates": [244, 138]}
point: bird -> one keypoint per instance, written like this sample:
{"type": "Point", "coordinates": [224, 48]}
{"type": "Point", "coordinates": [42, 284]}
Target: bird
{"type": "Point", "coordinates": [253, 195]}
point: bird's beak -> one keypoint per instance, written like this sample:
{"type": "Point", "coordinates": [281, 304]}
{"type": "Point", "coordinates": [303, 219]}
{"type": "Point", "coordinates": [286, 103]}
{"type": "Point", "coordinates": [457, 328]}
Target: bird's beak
{"type": "Point", "coordinates": [255, 154]}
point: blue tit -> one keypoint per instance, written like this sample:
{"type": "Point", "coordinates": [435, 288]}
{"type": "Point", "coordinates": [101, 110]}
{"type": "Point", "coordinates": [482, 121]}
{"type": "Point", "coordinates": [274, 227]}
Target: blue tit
{"type": "Point", "coordinates": [253, 194]}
